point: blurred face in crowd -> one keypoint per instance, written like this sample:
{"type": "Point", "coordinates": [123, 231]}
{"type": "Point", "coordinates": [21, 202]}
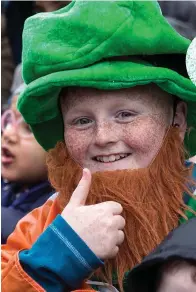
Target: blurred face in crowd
{"type": "Point", "coordinates": [179, 276]}
{"type": "Point", "coordinates": [22, 158]}
{"type": "Point", "coordinates": [121, 129]}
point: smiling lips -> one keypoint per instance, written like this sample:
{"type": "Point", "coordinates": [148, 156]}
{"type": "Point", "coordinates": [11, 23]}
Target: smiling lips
{"type": "Point", "coordinates": [6, 156]}
{"type": "Point", "coordinates": [111, 158]}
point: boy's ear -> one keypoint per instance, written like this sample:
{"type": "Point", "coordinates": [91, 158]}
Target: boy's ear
{"type": "Point", "coordinates": [180, 118]}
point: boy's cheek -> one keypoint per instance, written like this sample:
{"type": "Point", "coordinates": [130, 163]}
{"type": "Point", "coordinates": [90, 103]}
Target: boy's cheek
{"type": "Point", "coordinates": [144, 138]}
{"type": "Point", "coordinates": [77, 144]}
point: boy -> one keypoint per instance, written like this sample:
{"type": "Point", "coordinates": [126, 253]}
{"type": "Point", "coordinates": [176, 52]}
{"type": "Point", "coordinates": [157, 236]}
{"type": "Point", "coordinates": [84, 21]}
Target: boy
{"type": "Point", "coordinates": [24, 172]}
{"type": "Point", "coordinates": [99, 81]}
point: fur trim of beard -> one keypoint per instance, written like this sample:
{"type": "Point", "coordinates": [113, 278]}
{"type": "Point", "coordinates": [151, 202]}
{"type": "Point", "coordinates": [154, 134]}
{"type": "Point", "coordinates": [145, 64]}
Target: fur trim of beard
{"type": "Point", "coordinates": [152, 198]}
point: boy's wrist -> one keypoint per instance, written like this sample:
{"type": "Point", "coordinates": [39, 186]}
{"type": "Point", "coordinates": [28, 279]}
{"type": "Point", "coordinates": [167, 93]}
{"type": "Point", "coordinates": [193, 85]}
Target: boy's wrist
{"type": "Point", "coordinates": [61, 251]}
{"type": "Point", "coordinates": [93, 261]}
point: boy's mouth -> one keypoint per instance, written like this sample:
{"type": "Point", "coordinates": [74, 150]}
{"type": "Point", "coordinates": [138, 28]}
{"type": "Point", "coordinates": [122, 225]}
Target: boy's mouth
{"type": "Point", "coordinates": [110, 158]}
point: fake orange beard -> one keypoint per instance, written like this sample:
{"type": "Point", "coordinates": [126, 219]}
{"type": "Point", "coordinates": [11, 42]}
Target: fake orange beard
{"type": "Point", "coordinates": [152, 197]}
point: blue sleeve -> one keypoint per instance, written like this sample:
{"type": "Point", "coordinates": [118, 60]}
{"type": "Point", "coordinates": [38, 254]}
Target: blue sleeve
{"type": "Point", "coordinates": [59, 258]}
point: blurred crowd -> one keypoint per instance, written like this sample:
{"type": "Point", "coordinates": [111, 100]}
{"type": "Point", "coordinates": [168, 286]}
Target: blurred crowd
{"type": "Point", "coordinates": [25, 185]}
{"type": "Point", "coordinates": [13, 16]}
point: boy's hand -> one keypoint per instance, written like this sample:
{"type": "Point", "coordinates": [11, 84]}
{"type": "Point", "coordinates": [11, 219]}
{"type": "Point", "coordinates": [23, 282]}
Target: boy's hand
{"type": "Point", "coordinates": [100, 225]}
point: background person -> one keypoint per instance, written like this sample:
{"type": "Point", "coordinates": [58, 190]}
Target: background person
{"type": "Point", "coordinates": [23, 167]}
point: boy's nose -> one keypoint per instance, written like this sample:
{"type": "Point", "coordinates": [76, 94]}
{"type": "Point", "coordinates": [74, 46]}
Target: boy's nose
{"type": "Point", "coordinates": [106, 134]}
{"type": "Point", "coordinates": [10, 134]}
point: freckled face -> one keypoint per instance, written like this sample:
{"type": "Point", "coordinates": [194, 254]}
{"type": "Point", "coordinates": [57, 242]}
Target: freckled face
{"type": "Point", "coordinates": [110, 130]}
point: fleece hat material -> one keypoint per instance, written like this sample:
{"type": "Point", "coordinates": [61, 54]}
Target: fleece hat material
{"type": "Point", "coordinates": [102, 44]}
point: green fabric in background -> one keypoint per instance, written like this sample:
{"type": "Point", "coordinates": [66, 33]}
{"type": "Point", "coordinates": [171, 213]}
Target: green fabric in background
{"type": "Point", "coordinates": [100, 44]}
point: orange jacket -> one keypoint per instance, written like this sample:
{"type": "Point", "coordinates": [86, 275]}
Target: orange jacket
{"type": "Point", "coordinates": [28, 229]}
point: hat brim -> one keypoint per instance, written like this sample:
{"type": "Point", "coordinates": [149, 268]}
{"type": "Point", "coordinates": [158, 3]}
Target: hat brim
{"type": "Point", "coordinates": [42, 95]}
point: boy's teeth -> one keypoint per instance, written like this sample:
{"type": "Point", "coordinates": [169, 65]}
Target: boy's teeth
{"type": "Point", "coordinates": [123, 155]}
{"type": "Point", "coordinates": [106, 159]}
{"type": "Point", "coordinates": [111, 158]}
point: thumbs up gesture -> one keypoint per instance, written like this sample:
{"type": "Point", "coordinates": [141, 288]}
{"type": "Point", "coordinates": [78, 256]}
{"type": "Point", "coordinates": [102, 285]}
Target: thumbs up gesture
{"type": "Point", "coordinates": [100, 226]}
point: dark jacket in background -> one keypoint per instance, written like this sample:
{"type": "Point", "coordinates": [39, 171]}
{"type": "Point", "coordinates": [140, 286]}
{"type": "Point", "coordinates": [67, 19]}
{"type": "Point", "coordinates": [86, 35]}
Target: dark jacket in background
{"type": "Point", "coordinates": [7, 65]}
{"type": "Point", "coordinates": [179, 244]}
{"type": "Point", "coordinates": [16, 13]}
{"type": "Point", "coordinates": [15, 204]}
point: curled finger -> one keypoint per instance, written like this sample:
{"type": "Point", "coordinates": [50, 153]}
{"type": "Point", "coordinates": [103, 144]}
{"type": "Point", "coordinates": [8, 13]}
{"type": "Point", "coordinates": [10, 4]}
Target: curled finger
{"type": "Point", "coordinates": [121, 237]}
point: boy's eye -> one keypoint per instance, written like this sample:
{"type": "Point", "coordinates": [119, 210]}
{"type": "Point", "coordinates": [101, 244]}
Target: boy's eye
{"type": "Point", "coordinates": [125, 115]}
{"type": "Point", "coordinates": [82, 121]}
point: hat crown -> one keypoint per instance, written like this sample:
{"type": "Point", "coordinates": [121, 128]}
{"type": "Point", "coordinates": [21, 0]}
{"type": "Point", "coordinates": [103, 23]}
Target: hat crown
{"type": "Point", "coordinates": [85, 32]}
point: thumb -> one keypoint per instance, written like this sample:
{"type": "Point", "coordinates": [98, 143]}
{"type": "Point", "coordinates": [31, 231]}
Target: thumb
{"type": "Point", "coordinates": [80, 194]}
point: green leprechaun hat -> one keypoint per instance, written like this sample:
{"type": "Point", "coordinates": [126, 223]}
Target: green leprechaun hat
{"type": "Point", "coordinates": [105, 45]}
